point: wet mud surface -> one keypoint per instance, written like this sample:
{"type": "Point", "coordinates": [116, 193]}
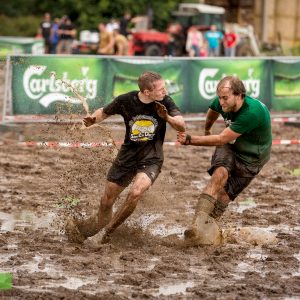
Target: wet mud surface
{"type": "Point", "coordinates": [147, 257]}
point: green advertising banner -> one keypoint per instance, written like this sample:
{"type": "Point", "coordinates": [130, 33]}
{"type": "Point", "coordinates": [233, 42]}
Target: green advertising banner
{"type": "Point", "coordinates": [43, 84]}
{"type": "Point", "coordinates": [19, 45]}
{"type": "Point", "coordinates": [203, 76]}
{"type": "Point", "coordinates": [286, 85]}
{"type": "Point", "coordinates": [123, 76]}
{"type": "Point", "coordinates": [5, 281]}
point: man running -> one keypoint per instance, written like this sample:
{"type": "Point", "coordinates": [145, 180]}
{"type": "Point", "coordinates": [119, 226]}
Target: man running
{"type": "Point", "coordinates": [146, 113]}
{"type": "Point", "coordinates": [243, 148]}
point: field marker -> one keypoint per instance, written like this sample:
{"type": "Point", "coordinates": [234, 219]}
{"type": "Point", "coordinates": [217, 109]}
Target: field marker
{"type": "Point", "coordinates": [78, 119]}
{"type": "Point", "coordinates": [53, 144]}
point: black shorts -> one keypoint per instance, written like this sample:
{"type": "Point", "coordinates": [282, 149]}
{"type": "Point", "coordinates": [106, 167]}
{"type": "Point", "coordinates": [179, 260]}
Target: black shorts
{"type": "Point", "coordinates": [123, 175]}
{"type": "Point", "coordinates": [240, 174]}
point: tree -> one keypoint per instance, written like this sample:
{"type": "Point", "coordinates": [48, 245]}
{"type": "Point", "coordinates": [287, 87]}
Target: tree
{"type": "Point", "coordinates": [86, 14]}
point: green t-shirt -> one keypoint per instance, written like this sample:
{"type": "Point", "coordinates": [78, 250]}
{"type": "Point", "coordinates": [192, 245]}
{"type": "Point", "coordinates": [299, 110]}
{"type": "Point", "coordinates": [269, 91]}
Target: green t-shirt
{"type": "Point", "coordinates": [253, 122]}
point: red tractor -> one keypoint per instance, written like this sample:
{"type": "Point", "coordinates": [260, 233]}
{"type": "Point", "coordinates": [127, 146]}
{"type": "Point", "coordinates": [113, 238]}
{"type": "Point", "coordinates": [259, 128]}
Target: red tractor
{"type": "Point", "coordinates": [172, 42]}
{"type": "Point", "coordinates": [150, 43]}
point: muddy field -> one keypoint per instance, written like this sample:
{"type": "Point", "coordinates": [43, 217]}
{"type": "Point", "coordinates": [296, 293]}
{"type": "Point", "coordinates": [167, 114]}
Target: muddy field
{"type": "Point", "coordinates": [147, 257]}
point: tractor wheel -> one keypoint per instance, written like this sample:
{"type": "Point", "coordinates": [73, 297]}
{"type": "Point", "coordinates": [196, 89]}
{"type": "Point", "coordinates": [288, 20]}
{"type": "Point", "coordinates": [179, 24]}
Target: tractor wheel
{"type": "Point", "coordinates": [153, 50]}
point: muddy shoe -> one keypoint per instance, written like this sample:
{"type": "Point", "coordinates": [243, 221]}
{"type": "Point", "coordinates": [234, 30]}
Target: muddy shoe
{"type": "Point", "coordinates": [92, 225]}
{"type": "Point", "coordinates": [219, 209]}
{"type": "Point", "coordinates": [73, 233]}
{"type": "Point", "coordinates": [205, 231]}
{"type": "Point", "coordinates": [189, 233]}
{"type": "Point", "coordinates": [95, 241]}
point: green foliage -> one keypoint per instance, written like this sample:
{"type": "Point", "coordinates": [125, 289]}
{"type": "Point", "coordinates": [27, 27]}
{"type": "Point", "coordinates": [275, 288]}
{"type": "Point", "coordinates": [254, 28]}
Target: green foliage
{"type": "Point", "coordinates": [69, 202]}
{"type": "Point", "coordinates": [295, 172]}
{"type": "Point", "coordinates": [19, 26]}
{"type": "Point", "coordinates": [86, 14]}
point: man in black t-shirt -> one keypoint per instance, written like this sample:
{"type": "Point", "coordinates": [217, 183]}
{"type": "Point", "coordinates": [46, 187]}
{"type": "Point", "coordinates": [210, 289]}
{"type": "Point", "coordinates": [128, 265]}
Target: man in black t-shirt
{"type": "Point", "coordinates": [145, 113]}
{"type": "Point", "coordinates": [45, 31]}
{"type": "Point", "coordinates": [67, 33]}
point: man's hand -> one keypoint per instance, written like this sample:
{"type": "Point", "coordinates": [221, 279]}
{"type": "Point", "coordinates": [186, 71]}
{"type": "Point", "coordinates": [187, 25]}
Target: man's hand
{"type": "Point", "coordinates": [89, 121]}
{"type": "Point", "coordinates": [161, 110]}
{"type": "Point", "coordinates": [183, 138]}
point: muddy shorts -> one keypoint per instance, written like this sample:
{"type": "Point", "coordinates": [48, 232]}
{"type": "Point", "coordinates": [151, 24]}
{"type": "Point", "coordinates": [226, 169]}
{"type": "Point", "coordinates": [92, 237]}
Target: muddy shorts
{"type": "Point", "coordinates": [240, 175]}
{"type": "Point", "coordinates": [123, 175]}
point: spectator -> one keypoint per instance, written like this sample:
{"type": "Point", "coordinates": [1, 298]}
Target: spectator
{"type": "Point", "coordinates": [67, 33]}
{"type": "Point", "coordinates": [124, 23]}
{"type": "Point", "coordinates": [120, 43]}
{"type": "Point", "coordinates": [113, 24]}
{"type": "Point", "coordinates": [213, 37]}
{"type": "Point", "coordinates": [194, 42]}
{"type": "Point", "coordinates": [106, 45]}
{"type": "Point", "coordinates": [54, 37]}
{"type": "Point", "coordinates": [44, 30]}
{"type": "Point", "coordinates": [230, 41]}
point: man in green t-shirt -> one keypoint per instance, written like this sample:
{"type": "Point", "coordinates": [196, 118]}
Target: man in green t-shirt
{"type": "Point", "coordinates": [242, 149]}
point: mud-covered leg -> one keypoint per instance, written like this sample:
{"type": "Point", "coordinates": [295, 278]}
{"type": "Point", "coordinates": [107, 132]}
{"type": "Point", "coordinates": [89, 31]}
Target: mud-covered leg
{"type": "Point", "coordinates": [221, 205]}
{"type": "Point", "coordinates": [141, 183]}
{"type": "Point", "coordinates": [77, 230]}
{"type": "Point", "coordinates": [204, 229]}
{"type": "Point", "coordinates": [96, 222]}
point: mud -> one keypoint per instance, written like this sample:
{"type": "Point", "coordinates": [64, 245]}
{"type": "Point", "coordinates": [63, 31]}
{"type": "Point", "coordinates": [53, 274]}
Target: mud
{"type": "Point", "coordinates": [147, 257]}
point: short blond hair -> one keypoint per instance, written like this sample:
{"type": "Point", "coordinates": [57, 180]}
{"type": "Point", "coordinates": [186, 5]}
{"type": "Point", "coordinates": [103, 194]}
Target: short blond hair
{"type": "Point", "coordinates": [147, 79]}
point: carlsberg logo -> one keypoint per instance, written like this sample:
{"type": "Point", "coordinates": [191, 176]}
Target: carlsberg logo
{"type": "Point", "coordinates": [52, 89]}
{"type": "Point", "coordinates": [208, 81]}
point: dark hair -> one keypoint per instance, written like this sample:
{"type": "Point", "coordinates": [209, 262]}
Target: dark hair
{"type": "Point", "coordinates": [147, 79]}
{"type": "Point", "coordinates": [236, 85]}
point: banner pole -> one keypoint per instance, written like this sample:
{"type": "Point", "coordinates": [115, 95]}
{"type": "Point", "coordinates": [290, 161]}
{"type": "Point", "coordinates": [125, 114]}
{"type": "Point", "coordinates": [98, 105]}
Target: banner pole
{"type": "Point", "coordinates": [6, 87]}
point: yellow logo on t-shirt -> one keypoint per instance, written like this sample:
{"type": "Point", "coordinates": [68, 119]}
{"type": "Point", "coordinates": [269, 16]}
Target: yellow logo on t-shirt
{"type": "Point", "coordinates": [142, 128]}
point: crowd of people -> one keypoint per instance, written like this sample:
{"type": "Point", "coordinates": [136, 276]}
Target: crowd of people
{"type": "Point", "coordinates": [114, 38]}
{"type": "Point", "coordinates": [209, 43]}
{"type": "Point", "coordinates": [60, 35]}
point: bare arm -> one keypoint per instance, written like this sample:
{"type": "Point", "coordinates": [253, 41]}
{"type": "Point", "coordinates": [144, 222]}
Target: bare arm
{"type": "Point", "coordinates": [211, 118]}
{"type": "Point", "coordinates": [97, 117]}
{"type": "Point", "coordinates": [177, 122]}
{"type": "Point", "coordinates": [226, 136]}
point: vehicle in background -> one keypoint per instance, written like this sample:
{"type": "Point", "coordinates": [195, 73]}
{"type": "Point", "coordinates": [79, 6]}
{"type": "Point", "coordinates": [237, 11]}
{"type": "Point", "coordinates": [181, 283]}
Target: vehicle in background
{"type": "Point", "coordinates": [172, 42]}
{"type": "Point", "coordinates": [150, 42]}
{"type": "Point", "coordinates": [88, 42]}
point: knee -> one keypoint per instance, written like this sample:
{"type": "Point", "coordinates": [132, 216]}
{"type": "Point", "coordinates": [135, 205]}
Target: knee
{"type": "Point", "coordinates": [221, 172]}
{"type": "Point", "coordinates": [134, 195]}
{"type": "Point", "coordinates": [107, 201]}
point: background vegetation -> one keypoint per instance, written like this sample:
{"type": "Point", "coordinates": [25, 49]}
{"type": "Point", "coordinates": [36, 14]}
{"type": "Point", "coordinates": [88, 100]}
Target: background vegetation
{"type": "Point", "coordinates": [22, 18]}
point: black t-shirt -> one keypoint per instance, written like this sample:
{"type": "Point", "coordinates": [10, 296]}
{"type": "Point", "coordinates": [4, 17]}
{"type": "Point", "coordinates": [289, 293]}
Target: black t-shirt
{"type": "Point", "coordinates": [145, 130]}
{"type": "Point", "coordinates": [66, 36]}
{"type": "Point", "coordinates": [46, 29]}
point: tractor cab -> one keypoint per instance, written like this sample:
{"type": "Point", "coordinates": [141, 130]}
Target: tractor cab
{"type": "Point", "coordinates": [201, 15]}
